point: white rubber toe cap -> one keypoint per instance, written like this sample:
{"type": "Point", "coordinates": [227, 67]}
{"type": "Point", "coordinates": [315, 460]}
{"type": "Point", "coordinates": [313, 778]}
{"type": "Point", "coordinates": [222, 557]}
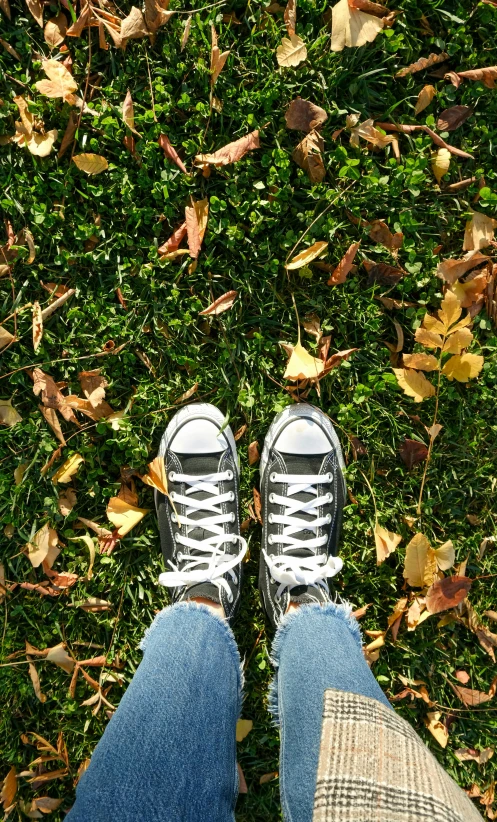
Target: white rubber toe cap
{"type": "Point", "coordinates": [302, 436]}
{"type": "Point", "coordinates": [198, 436]}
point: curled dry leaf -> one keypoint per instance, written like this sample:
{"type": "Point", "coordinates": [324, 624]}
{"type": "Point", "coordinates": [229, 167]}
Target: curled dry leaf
{"type": "Point", "coordinates": [487, 75]}
{"type": "Point", "coordinates": [36, 9]}
{"type": "Point", "coordinates": [243, 728]}
{"type": "Point", "coordinates": [230, 153]}
{"type": "Point", "coordinates": [5, 338]}
{"type": "Point", "coordinates": [217, 59]}
{"type": "Point", "coordinates": [37, 326]}
{"type": "Point", "coordinates": [386, 542]}
{"type": "Point", "coordinates": [470, 697]}
{"type": "Point", "coordinates": [171, 152]}
{"type": "Point", "coordinates": [291, 52]}
{"type": "Point", "coordinates": [416, 560]}
{"type": "Point", "coordinates": [352, 27]}
{"type": "Point", "coordinates": [196, 217]}
{"type": "Point", "coordinates": [451, 118]}
{"type": "Point", "coordinates": [30, 133]}
{"type": "Point", "coordinates": [466, 754]}
{"type": "Point", "coordinates": [290, 16]}
{"type": "Point", "coordinates": [9, 789]}
{"type": "Point", "coordinates": [308, 156]}
{"type": "Point", "coordinates": [8, 414]}
{"type": "Point", "coordinates": [68, 469]}
{"type": "Point", "coordinates": [479, 231]}
{"type": "Point", "coordinates": [55, 30]}
{"type": "Point", "coordinates": [124, 515]}
{"type": "Point", "coordinates": [423, 63]}
{"type": "Point", "coordinates": [303, 115]}
{"type": "Point", "coordinates": [156, 477]}
{"type": "Point", "coordinates": [380, 233]}
{"type": "Point", "coordinates": [94, 605]}
{"type": "Point", "coordinates": [367, 131]}
{"type": "Point", "coordinates": [447, 593]}
{"type": "Point", "coordinates": [440, 163]}
{"type": "Point", "coordinates": [222, 303]}
{"type": "Point", "coordinates": [60, 82]}
{"type": "Point", "coordinates": [253, 453]}
{"type": "Point", "coordinates": [186, 32]}
{"type": "Point", "coordinates": [414, 384]}
{"type": "Point", "coordinates": [66, 501]}
{"type": "Point", "coordinates": [43, 546]}
{"type": "Point", "coordinates": [128, 113]}
{"type": "Point", "coordinates": [134, 25]}
{"type": "Point", "coordinates": [339, 275]}
{"type": "Point", "coordinates": [302, 365]}
{"type": "Point", "coordinates": [307, 255]}
{"type": "Point", "coordinates": [451, 270]}
{"type": "Point", "coordinates": [425, 97]}
{"type": "Point", "coordinates": [90, 163]}
{"type": "Point", "coordinates": [437, 728]}
{"type": "Point", "coordinates": [412, 452]}
{"type": "Point", "coordinates": [383, 273]}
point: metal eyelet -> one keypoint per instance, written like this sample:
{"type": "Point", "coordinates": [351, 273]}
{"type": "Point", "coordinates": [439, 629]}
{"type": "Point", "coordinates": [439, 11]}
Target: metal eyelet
{"type": "Point", "coordinates": [232, 496]}
{"type": "Point", "coordinates": [230, 598]}
{"type": "Point", "coordinates": [329, 477]}
{"type": "Point", "coordinates": [270, 519]}
{"type": "Point", "coordinates": [172, 476]}
{"type": "Point", "coordinates": [328, 518]}
{"type": "Point", "coordinates": [330, 497]}
{"type": "Point", "coordinates": [271, 497]}
{"type": "Point", "coordinates": [172, 496]}
{"type": "Point", "coordinates": [272, 476]}
{"type": "Point", "coordinates": [234, 539]}
{"type": "Point", "coordinates": [177, 536]}
{"type": "Point", "coordinates": [230, 475]}
{"type": "Point", "coordinates": [232, 518]}
{"type": "Point", "coordinates": [270, 539]}
{"type": "Point", "coordinates": [235, 580]}
{"type": "Point", "coordinates": [179, 556]}
{"type": "Point", "coordinates": [173, 518]}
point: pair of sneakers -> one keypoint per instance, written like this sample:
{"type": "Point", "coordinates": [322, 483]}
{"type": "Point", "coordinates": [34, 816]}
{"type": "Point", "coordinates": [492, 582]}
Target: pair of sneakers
{"type": "Point", "coordinates": [302, 493]}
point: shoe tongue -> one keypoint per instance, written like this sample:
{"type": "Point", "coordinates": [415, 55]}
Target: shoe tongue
{"type": "Point", "coordinates": [199, 464]}
{"type": "Point", "coordinates": [206, 590]}
{"type": "Point", "coordinates": [299, 464]}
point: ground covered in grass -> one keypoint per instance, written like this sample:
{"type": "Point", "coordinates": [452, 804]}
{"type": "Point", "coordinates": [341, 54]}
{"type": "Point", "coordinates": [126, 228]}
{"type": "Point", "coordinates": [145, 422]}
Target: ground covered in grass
{"type": "Point", "coordinates": [99, 234]}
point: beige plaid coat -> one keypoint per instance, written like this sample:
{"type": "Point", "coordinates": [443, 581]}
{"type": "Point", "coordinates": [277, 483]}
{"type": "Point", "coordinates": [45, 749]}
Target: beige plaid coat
{"type": "Point", "coordinates": [373, 767]}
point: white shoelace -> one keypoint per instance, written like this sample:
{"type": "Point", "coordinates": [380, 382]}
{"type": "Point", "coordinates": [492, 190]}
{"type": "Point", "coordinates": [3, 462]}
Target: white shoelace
{"type": "Point", "coordinates": [208, 552]}
{"type": "Point", "coordinates": [313, 570]}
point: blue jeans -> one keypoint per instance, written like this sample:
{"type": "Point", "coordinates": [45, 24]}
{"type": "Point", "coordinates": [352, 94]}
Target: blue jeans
{"type": "Point", "coordinates": [169, 752]}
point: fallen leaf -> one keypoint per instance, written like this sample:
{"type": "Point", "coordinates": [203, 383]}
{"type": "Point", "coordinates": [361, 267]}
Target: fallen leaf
{"type": "Point", "coordinates": [447, 593]}
{"type": "Point", "coordinates": [242, 784]}
{"type": "Point", "coordinates": [59, 656]}
{"type": "Point", "coordinates": [367, 131]}
{"type": "Point", "coordinates": [66, 501]}
{"type": "Point", "coordinates": [253, 453]}
{"type": "Point", "coordinates": [37, 326]}
{"type": "Point", "coordinates": [395, 618]}
{"type": "Point", "coordinates": [5, 338]}
{"type": "Point", "coordinates": [308, 156]}
{"type": "Point", "coordinates": [90, 163]}
{"type": "Point", "coordinates": [94, 605]}
{"type": "Point", "coordinates": [307, 255]}
{"type": "Point", "coordinates": [172, 244]}
{"type": "Point", "coordinates": [472, 290]}
{"type": "Point", "coordinates": [186, 32]}
{"type": "Point", "coordinates": [425, 97]}
{"type": "Point", "coordinates": [386, 542]}
{"type": "Point", "coordinates": [351, 27]}
{"type": "Point", "coordinates": [339, 275]}
{"type": "Point", "coordinates": [423, 362]}
{"type": "Point", "coordinates": [128, 113]}
{"type": "Point", "coordinates": [423, 63]}
{"type": "Point", "coordinates": [9, 789]}
{"type": "Point", "coordinates": [230, 153]}
{"type": "Point", "coordinates": [156, 14]}
{"type": "Point", "coordinates": [222, 303]}
{"type": "Point", "coordinates": [440, 163]}
{"type": "Point", "coordinates": [463, 367]}
{"type": "Point", "coordinates": [412, 452]}
{"type": "Point", "coordinates": [384, 274]}
{"type": "Point", "coordinates": [437, 728]}
{"type": "Point", "coordinates": [35, 679]}
{"type": "Point", "coordinates": [8, 414]}
{"type": "Point", "coordinates": [243, 728]}
{"type": "Point", "coordinates": [8, 48]}
{"type": "Point", "coordinates": [217, 59]}
{"type": "Point", "coordinates": [171, 152]}
{"type": "Point", "coordinates": [36, 9]}
{"type": "Point", "coordinates": [414, 384]}
{"type": "Point", "coordinates": [468, 754]}
{"type": "Point", "coordinates": [60, 81]}
{"type": "Point", "coordinates": [470, 697]}
{"type": "Point", "coordinates": [196, 217]}
{"type": "Point", "coordinates": [415, 560]}
{"type": "Point", "coordinates": [445, 555]}
{"type": "Point", "coordinates": [55, 30]}
{"type": "Point", "coordinates": [268, 777]}
{"type": "Point", "coordinates": [134, 26]}
{"type": "Point", "coordinates": [380, 233]}
{"type": "Point", "coordinates": [463, 677]}
{"type": "Point", "coordinates": [156, 477]}
{"type": "Point", "coordinates": [451, 270]}
{"type": "Point", "coordinates": [20, 471]}
{"type": "Point", "coordinates": [44, 541]}
{"type": "Point", "coordinates": [291, 52]}
{"type": "Point", "coordinates": [49, 310]}
{"type": "Point", "coordinates": [303, 115]}
{"type": "Point", "coordinates": [290, 16]}
{"type": "Point", "coordinates": [479, 231]}
{"type": "Point", "coordinates": [69, 133]}
{"type": "Point", "coordinates": [123, 515]}
{"type": "Point", "coordinates": [487, 75]}
{"type": "Point", "coordinates": [451, 118]}
{"type": "Point", "coordinates": [68, 469]}
{"type": "Point", "coordinates": [302, 365]}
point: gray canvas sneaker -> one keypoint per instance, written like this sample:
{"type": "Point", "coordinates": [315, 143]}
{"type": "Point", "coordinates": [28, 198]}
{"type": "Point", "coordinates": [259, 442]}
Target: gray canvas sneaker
{"type": "Point", "coordinates": [303, 493]}
{"type": "Point", "coordinates": [199, 523]}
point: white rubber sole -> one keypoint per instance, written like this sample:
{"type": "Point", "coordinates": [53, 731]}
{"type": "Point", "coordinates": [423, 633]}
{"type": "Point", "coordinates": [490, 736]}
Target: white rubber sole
{"type": "Point", "coordinates": [201, 410]}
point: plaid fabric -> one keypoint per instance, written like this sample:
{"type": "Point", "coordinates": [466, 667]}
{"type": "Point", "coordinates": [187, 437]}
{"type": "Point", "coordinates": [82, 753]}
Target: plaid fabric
{"type": "Point", "coordinates": [373, 767]}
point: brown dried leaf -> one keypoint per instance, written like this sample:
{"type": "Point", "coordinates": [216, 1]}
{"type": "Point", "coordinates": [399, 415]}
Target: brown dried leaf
{"type": "Point", "coordinates": [470, 697]}
{"type": "Point", "coordinates": [451, 270]}
{"type": "Point", "coordinates": [425, 97]}
{"type": "Point", "coordinates": [171, 152]}
{"type": "Point", "coordinates": [134, 25]}
{"type": "Point", "coordinates": [380, 233]}
{"type": "Point", "coordinates": [291, 52]}
{"type": "Point", "coordinates": [479, 232]}
{"type": "Point", "coordinates": [90, 163]}
{"type": "Point", "coordinates": [308, 156]}
{"type": "Point", "coordinates": [222, 303]}
{"type": "Point", "coordinates": [451, 118]}
{"type": "Point", "coordinates": [437, 728]}
{"type": "Point", "coordinates": [36, 9]}
{"type": "Point", "coordinates": [186, 32]}
{"type": "Point", "coordinates": [386, 542]}
{"type": "Point", "coordinates": [352, 27]}
{"type": "Point", "coordinates": [253, 453]}
{"type": "Point", "coordinates": [230, 153]}
{"type": "Point", "coordinates": [55, 30]}
{"type": "Point", "coordinates": [217, 59]}
{"type": "Point", "coordinates": [303, 115]}
{"type": "Point", "coordinates": [385, 274]}
{"type": "Point", "coordinates": [95, 605]}
{"type": "Point", "coordinates": [66, 501]}
{"type": "Point", "coordinates": [447, 593]}
{"type": "Point", "coordinates": [423, 63]}
{"type": "Point", "coordinates": [173, 243]}
{"type": "Point", "coordinates": [339, 275]}
{"type": "Point", "coordinates": [290, 17]}
{"type": "Point", "coordinates": [487, 75]}
{"type": "Point", "coordinates": [412, 452]}
{"type": "Point", "coordinates": [9, 789]}
{"type": "Point", "coordinates": [367, 131]}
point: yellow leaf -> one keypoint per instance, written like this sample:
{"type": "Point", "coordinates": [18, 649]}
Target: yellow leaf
{"type": "Point", "coordinates": [433, 324]}
{"type": "Point", "coordinates": [456, 342]}
{"type": "Point", "coordinates": [445, 556]}
{"type": "Point", "coordinates": [450, 310]}
{"type": "Point", "coordinates": [428, 338]}
{"type": "Point", "coordinates": [414, 384]}
{"type": "Point", "coordinates": [60, 81]}
{"type": "Point", "coordinates": [372, 135]}
{"type": "Point", "coordinates": [68, 469]}
{"type": "Point", "coordinates": [20, 471]}
{"type": "Point", "coordinates": [66, 501]}
{"type": "Point", "coordinates": [463, 367]}
{"type": "Point", "coordinates": [41, 144]}
{"type": "Point", "coordinates": [243, 728]}
{"type": "Point", "coordinates": [9, 789]}
{"type": "Point", "coordinates": [123, 515]}
{"type": "Point", "coordinates": [415, 561]}
{"type": "Point", "coordinates": [386, 542]}
{"type": "Point", "coordinates": [8, 414]}
{"type": "Point", "coordinates": [292, 51]}
{"type": "Point", "coordinates": [440, 163]}
{"type": "Point", "coordinates": [37, 326]}
{"type": "Point", "coordinates": [424, 362]}
{"type": "Point", "coordinates": [156, 476]}
{"type": "Point", "coordinates": [437, 728]}
{"type": "Point", "coordinates": [55, 30]}
{"type": "Point", "coordinates": [352, 27]}
{"type": "Point", "coordinates": [461, 324]}
{"type": "Point", "coordinates": [307, 255]}
{"type": "Point", "coordinates": [302, 366]}
{"type": "Point", "coordinates": [44, 540]}
{"type": "Point", "coordinates": [430, 571]}
{"type": "Point", "coordinates": [479, 231]}
{"type": "Point", "coordinates": [91, 163]}
{"type": "Point", "coordinates": [128, 111]}
{"type": "Point", "coordinates": [5, 337]}
{"type": "Point", "coordinates": [59, 656]}
{"type": "Point", "coordinates": [425, 97]}
{"type": "Point", "coordinates": [91, 548]}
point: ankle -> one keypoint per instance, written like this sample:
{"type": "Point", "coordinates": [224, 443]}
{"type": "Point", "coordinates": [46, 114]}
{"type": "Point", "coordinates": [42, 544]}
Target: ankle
{"type": "Point", "coordinates": [216, 607]}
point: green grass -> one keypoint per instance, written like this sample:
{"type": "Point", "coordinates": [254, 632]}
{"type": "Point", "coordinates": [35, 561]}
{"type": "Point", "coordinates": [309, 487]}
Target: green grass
{"type": "Point", "coordinates": [234, 358]}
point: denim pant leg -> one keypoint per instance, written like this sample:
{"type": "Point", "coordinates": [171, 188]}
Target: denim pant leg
{"type": "Point", "coordinates": [169, 752]}
{"type": "Point", "coordinates": [315, 648]}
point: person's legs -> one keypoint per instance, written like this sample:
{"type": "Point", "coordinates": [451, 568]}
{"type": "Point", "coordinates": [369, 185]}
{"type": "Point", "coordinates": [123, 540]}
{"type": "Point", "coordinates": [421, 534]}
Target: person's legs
{"type": "Point", "coordinates": [316, 647]}
{"type": "Point", "coordinates": [169, 752]}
